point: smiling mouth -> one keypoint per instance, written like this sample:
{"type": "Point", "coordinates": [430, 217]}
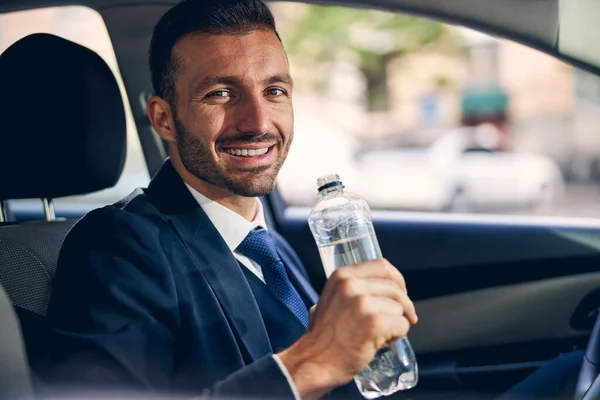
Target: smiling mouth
{"type": "Point", "coordinates": [248, 152]}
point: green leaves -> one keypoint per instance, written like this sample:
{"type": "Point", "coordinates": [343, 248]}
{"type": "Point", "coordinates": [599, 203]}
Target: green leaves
{"type": "Point", "coordinates": [324, 32]}
{"type": "Point", "coordinates": [370, 39]}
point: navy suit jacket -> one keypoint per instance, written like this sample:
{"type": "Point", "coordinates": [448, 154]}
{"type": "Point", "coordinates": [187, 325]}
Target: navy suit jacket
{"type": "Point", "coordinates": [147, 295]}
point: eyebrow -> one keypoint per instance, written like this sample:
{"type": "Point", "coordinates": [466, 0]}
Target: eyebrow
{"type": "Point", "coordinates": [280, 78]}
{"type": "Point", "coordinates": [234, 80]}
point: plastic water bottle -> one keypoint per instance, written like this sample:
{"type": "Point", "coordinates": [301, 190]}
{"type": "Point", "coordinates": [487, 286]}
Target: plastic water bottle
{"type": "Point", "coordinates": [343, 229]}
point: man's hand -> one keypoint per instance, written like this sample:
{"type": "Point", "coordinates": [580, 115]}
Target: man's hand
{"type": "Point", "coordinates": [362, 309]}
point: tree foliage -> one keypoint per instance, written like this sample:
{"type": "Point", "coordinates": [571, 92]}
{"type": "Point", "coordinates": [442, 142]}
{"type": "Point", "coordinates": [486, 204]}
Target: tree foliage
{"type": "Point", "coordinates": [370, 39]}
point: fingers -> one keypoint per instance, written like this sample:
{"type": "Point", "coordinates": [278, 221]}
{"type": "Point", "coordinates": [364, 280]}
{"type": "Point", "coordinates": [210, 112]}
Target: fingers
{"type": "Point", "coordinates": [377, 278]}
{"type": "Point", "coordinates": [369, 305]}
{"type": "Point", "coordinates": [380, 289]}
{"type": "Point", "coordinates": [362, 309]}
{"type": "Point", "coordinates": [410, 311]}
{"type": "Point", "coordinates": [388, 328]}
{"type": "Point", "coordinates": [353, 287]}
{"type": "Point", "coordinates": [396, 303]}
{"type": "Point", "coordinates": [379, 268]}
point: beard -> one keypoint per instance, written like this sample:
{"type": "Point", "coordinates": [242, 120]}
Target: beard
{"type": "Point", "coordinates": [197, 158]}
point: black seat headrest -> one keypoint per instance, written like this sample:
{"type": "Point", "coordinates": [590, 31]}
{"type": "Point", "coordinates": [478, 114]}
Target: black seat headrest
{"type": "Point", "coordinates": [64, 127]}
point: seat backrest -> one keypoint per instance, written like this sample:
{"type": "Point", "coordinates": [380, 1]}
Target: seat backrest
{"type": "Point", "coordinates": [15, 380]}
{"type": "Point", "coordinates": [64, 135]}
{"type": "Point", "coordinates": [28, 257]}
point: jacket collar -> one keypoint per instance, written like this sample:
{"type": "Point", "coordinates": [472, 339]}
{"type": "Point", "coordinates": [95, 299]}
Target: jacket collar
{"type": "Point", "coordinates": [213, 257]}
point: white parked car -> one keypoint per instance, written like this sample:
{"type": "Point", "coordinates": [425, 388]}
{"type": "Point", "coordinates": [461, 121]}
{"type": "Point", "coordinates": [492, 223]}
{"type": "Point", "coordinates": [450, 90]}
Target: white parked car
{"type": "Point", "coordinates": [457, 174]}
{"type": "Point", "coordinates": [331, 150]}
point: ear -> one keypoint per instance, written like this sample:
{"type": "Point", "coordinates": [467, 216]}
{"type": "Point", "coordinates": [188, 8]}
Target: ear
{"type": "Point", "coordinates": [161, 118]}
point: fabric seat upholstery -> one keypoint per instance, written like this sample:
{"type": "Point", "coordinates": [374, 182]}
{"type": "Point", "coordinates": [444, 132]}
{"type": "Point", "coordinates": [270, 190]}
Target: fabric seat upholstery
{"type": "Point", "coordinates": [15, 379]}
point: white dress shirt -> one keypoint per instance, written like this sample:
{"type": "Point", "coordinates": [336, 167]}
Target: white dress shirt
{"type": "Point", "coordinates": [233, 229]}
{"type": "Point", "coordinates": [232, 226]}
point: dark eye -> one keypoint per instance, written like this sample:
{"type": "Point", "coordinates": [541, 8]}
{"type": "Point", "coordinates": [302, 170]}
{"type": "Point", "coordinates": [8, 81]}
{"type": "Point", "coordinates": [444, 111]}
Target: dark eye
{"type": "Point", "coordinates": [218, 93]}
{"type": "Point", "coordinates": [276, 92]}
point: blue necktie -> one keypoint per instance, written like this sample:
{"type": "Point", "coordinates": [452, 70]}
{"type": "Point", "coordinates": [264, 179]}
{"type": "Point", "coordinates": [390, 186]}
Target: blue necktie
{"type": "Point", "coordinates": [259, 247]}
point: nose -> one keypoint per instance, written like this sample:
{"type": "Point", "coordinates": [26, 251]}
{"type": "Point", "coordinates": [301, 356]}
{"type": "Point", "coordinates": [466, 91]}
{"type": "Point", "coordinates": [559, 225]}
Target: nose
{"type": "Point", "coordinates": [253, 116]}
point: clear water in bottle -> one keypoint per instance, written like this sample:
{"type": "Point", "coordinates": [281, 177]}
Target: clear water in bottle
{"type": "Point", "coordinates": [343, 230]}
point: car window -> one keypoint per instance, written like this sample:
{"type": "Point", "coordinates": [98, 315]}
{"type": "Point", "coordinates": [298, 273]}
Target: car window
{"type": "Point", "coordinates": [419, 115]}
{"type": "Point", "coordinates": [84, 26]}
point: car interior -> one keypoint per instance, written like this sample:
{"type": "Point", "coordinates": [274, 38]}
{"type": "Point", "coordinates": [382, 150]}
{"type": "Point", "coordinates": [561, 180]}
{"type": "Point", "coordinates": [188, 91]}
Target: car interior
{"type": "Point", "coordinates": [497, 296]}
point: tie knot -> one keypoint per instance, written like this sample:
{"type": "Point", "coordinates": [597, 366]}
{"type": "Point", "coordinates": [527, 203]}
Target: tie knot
{"type": "Point", "coordinates": [258, 246]}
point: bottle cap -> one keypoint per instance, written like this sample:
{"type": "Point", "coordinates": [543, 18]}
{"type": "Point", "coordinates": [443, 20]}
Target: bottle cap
{"type": "Point", "coordinates": [328, 181]}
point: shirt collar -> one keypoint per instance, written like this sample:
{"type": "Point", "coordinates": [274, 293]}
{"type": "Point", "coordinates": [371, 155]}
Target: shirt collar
{"type": "Point", "coordinates": [232, 226]}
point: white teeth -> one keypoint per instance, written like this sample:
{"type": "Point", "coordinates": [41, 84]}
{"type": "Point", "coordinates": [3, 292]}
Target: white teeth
{"type": "Point", "coordinates": [247, 152]}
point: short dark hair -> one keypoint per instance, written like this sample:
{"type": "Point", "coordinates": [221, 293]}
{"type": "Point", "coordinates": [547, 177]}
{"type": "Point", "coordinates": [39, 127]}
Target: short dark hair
{"type": "Point", "coordinates": [199, 16]}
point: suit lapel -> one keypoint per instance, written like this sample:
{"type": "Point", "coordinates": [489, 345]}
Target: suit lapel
{"type": "Point", "coordinates": [212, 256]}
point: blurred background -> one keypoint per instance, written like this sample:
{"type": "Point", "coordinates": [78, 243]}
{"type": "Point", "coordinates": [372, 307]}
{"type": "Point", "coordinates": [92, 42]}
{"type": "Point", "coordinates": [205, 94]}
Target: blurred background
{"type": "Point", "coordinates": [419, 115]}
{"type": "Point", "coordinates": [413, 114]}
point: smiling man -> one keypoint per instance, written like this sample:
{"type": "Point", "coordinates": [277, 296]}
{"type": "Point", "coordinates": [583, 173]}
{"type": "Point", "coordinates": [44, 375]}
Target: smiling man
{"type": "Point", "coordinates": [229, 120]}
{"type": "Point", "coordinates": [181, 287]}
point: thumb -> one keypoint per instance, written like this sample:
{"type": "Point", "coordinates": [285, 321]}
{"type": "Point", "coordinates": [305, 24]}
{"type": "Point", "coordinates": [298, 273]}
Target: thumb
{"type": "Point", "coordinates": [311, 314]}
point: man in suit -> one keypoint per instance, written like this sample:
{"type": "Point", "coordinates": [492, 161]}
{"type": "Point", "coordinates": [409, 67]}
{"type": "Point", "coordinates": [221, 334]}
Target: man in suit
{"type": "Point", "coordinates": [181, 287]}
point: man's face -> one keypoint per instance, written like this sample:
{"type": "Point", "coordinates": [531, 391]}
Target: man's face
{"type": "Point", "coordinates": [233, 117]}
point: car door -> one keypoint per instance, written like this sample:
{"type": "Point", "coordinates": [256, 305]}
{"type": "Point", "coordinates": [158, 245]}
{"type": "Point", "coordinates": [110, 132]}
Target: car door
{"type": "Point", "coordinates": [496, 299]}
